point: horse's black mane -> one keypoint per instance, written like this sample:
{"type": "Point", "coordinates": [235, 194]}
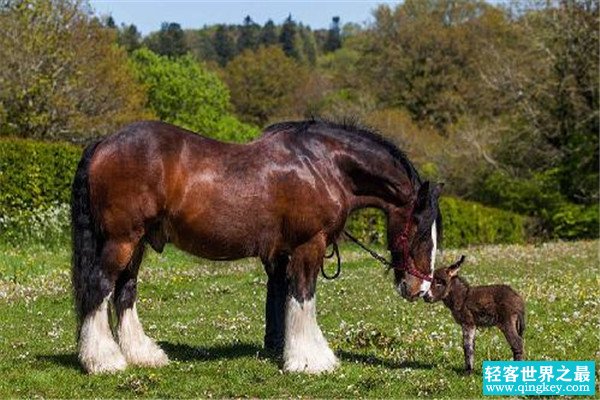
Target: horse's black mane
{"type": "Point", "coordinates": [354, 127]}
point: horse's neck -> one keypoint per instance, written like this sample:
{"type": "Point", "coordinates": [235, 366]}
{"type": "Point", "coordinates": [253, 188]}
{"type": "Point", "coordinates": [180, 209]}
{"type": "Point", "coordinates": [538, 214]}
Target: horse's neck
{"type": "Point", "coordinates": [377, 181]}
{"type": "Point", "coordinates": [458, 293]}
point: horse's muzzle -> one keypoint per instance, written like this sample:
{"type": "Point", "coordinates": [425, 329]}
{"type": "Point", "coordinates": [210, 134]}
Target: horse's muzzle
{"type": "Point", "coordinates": [402, 289]}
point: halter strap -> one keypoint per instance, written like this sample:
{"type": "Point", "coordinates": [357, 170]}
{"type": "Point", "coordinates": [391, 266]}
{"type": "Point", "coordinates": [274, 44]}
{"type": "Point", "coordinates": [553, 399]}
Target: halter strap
{"type": "Point", "coordinates": [402, 243]}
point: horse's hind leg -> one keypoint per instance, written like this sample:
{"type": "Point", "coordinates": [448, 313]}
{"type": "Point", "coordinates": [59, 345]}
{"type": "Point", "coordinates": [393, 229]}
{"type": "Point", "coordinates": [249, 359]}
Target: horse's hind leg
{"type": "Point", "coordinates": [98, 351]}
{"type": "Point", "coordinates": [305, 349]}
{"type": "Point", "coordinates": [137, 348]}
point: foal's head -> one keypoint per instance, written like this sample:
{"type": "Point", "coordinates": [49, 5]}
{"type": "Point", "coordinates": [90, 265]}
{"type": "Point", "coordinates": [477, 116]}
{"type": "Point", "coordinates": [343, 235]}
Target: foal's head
{"type": "Point", "coordinates": [440, 287]}
{"type": "Point", "coordinates": [414, 246]}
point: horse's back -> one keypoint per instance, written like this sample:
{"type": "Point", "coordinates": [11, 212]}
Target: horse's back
{"type": "Point", "coordinates": [134, 171]}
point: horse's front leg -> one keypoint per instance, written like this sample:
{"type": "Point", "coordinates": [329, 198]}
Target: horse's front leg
{"type": "Point", "coordinates": [305, 349]}
{"type": "Point", "coordinates": [277, 291]}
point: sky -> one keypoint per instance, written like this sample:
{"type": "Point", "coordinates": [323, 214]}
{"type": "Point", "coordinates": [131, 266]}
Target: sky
{"type": "Point", "coordinates": [147, 15]}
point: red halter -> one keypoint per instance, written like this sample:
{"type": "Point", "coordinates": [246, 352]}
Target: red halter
{"type": "Point", "coordinates": [402, 242]}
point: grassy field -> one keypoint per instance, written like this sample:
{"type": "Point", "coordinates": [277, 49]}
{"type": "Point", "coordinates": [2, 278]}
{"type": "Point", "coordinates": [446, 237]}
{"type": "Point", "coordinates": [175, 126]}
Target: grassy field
{"type": "Point", "coordinates": [209, 319]}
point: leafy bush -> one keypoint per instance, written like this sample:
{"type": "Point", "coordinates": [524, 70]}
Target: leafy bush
{"type": "Point", "coordinates": [465, 223]}
{"type": "Point", "coordinates": [61, 76]}
{"type": "Point", "coordinates": [35, 175]}
{"type": "Point", "coordinates": [46, 225]}
{"type": "Point", "coordinates": [181, 91]}
{"type": "Point", "coordinates": [35, 178]}
{"type": "Point", "coordinates": [540, 197]}
{"type": "Point", "coordinates": [468, 223]}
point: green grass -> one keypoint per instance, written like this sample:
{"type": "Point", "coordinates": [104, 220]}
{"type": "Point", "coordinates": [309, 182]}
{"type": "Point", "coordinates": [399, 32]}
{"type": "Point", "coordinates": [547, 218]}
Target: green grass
{"type": "Point", "coordinates": [209, 319]}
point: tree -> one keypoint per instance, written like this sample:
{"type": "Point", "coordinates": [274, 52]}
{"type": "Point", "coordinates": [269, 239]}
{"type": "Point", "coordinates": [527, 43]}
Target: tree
{"type": "Point", "coordinates": [334, 38]}
{"type": "Point", "coordinates": [424, 56]}
{"type": "Point", "coordinates": [263, 83]}
{"type": "Point", "coordinates": [550, 83]}
{"type": "Point", "coordinates": [268, 34]}
{"type": "Point", "coordinates": [248, 37]}
{"type": "Point", "coordinates": [129, 37]}
{"type": "Point", "coordinates": [61, 76]}
{"type": "Point", "coordinates": [182, 92]}
{"type": "Point", "coordinates": [223, 45]}
{"type": "Point", "coordinates": [169, 41]}
{"type": "Point", "coordinates": [287, 38]}
{"type": "Point", "coordinates": [110, 22]}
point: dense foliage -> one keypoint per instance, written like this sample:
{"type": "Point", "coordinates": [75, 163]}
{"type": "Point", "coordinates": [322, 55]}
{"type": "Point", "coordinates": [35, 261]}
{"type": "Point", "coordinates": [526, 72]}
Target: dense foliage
{"type": "Point", "coordinates": [35, 174]}
{"type": "Point", "coordinates": [182, 92]}
{"type": "Point", "coordinates": [263, 82]}
{"type": "Point", "coordinates": [35, 178]}
{"type": "Point", "coordinates": [464, 223]}
{"type": "Point", "coordinates": [61, 76]}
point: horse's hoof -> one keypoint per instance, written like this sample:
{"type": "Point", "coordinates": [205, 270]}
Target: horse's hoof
{"type": "Point", "coordinates": [145, 354]}
{"type": "Point", "coordinates": [311, 363]}
{"type": "Point", "coordinates": [107, 361]}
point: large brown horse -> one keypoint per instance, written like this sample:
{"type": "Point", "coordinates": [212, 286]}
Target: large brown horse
{"type": "Point", "coordinates": [283, 197]}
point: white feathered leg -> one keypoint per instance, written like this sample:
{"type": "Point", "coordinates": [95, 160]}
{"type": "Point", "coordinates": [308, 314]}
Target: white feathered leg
{"type": "Point", "coordinates": [98, 351]}
{"type": "Point", "coordinates": [305, 349]}
{"type": "Point", "coordinates": [138, 348]}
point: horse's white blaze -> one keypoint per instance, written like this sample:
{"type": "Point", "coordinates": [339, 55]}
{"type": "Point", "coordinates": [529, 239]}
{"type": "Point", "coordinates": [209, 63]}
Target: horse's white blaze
{"type": "Point", "coordinates": [138, 348]}
{"type": "Point", "coordinates": [305, 349]}
{"type": "Point", "coordinates": [98, 351]}
{"type": "Point", "coordinates": [426, 285]}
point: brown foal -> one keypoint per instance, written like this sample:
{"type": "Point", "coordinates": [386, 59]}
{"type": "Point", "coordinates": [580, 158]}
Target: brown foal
{"type": "Point", "coordinates": [483, 306]}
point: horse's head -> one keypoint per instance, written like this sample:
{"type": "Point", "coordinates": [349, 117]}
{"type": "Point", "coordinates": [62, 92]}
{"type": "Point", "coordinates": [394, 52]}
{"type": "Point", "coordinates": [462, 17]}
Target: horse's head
{"type": "Point", "coordinates": [440, 288]}
{"type": "Point", "coordinates": [413, 238]}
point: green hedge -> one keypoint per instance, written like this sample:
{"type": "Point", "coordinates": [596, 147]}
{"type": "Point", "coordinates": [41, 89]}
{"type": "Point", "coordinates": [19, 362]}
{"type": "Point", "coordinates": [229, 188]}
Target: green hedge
{"type": "Point", "coordinates": [465, 223]}
{"type": "Point", "coordinates": [35, 181]}
{"type": "Point", "coordinates": [35, 175]}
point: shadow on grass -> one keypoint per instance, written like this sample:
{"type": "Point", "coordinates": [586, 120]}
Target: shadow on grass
{"type": "Point", "coordinates": [373, 360]}
{"type": "Point", "coordinates": [462, 372]}
{"type": "Point", "coordinates": [184, 352]}
{"type": "Point", "coordinates": [68, 360]}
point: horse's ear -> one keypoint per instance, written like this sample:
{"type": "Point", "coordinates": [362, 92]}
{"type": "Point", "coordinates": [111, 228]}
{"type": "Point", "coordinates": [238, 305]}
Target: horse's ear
{"type": "Point", "coordinates": [423, 196]}
{"type": "Point", "coordinates": [436, 190]}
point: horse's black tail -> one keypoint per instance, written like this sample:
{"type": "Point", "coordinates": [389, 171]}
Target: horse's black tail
{"type": "Point", "coordinates": [521, 323]}
{"type": "Point", "coordinates": [86, 239]}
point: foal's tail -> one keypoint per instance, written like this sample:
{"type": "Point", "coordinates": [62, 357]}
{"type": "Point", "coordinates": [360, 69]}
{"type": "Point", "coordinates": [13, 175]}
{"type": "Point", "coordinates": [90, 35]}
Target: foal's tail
{"type": "Point", "coordinates": [521, 323]}
{"type": "Point", "coordinates": [86, 238]}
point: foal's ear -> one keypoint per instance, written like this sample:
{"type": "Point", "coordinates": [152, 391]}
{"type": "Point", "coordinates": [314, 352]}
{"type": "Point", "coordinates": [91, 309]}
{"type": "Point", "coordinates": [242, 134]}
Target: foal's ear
{"type": "Point", "coordinates": [454, 268]}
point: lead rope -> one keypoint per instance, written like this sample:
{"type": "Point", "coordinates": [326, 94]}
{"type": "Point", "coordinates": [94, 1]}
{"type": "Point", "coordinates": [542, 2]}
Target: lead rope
{"type": "Point", "coordinates": [373, 254]}
{"type": "Point", "coordinates": [334, 251]}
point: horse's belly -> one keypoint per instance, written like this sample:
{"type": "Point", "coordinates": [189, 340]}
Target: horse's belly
{"type": "Point", "coordinates": [213, 237]}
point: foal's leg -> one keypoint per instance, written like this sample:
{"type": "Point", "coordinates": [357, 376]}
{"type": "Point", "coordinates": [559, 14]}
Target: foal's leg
{"type": "Point", "coordinates": [277, 290]}
{"type": "Point", "coordinates": [509, 328]}
{"type": "Point", "coordinates": [98, 351]}
{"type": "Point", "coordinates": [137, 348]}
{"type": "Point", "coordinates": [305, 349]}
{"type": "Point", "coordinates": [469, 346]}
